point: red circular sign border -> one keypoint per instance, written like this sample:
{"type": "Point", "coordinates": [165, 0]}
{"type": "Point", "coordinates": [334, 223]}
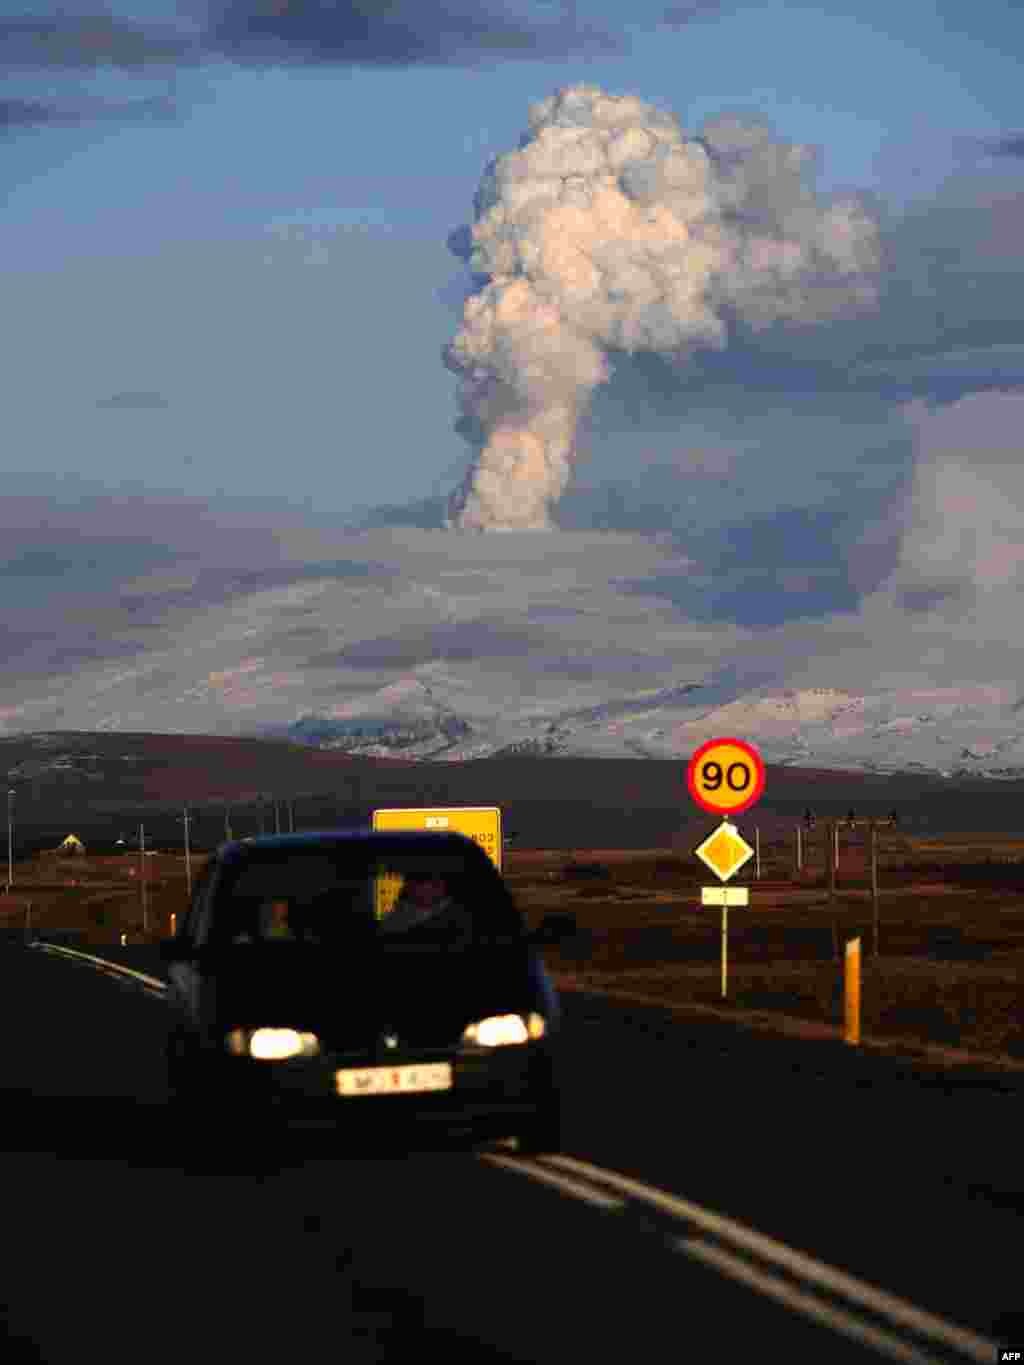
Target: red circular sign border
{"type": "Point", "coordinates": [759, 780]}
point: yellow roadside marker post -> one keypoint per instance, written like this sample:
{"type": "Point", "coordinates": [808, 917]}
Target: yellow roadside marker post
{"type": "Point", "coordinates": [725, 776]}
{"type": "Point", "coordinates": [852, 991]}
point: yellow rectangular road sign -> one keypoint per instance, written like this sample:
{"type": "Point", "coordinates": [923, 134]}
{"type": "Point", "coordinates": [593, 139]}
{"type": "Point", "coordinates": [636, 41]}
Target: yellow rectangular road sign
{"type": "Point", "coordinates": [725, 895]}
{"type": "Point", "coordinates": [479, 823]}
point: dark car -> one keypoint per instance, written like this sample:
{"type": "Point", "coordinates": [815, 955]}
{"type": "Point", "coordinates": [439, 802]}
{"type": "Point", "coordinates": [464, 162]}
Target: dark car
{"type": "Point", "coordinates": [366, 977]}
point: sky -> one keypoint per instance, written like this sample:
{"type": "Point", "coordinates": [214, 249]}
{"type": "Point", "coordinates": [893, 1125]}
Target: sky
{"type": "Point", "coordinates": [229, 287]}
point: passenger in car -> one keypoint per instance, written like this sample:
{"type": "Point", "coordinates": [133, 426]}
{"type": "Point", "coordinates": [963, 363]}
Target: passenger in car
{"type": "Point", "coordinates": [274, 922]}
{"type": "Point", "coordinates": [262, 921]}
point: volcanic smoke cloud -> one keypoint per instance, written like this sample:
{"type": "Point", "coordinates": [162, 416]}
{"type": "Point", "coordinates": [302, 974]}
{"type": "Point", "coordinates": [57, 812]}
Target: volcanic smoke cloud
{"type": "Point", "coordinates": [607, 231]}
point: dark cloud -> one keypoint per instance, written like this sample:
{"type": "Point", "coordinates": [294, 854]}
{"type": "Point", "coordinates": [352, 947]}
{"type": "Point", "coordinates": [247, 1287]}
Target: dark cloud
{"type": "Point", "coordinates": [80, 43]}
{"type": "Point", "coordinates": [70, 557]}
{"type": "Point", "coordinates": [923, 600]}
{"type": "Point", "coordinates": [628, 505]}
{"type": "Point", "coordinates": [463, 642]}
{"type": "Point", "coordinates": [64, 656]}
{"type": "Point", "coordinates": [397, 32]}
{"type": "Point", "coordinates": [587, 665]}
{"type": "Point", "coordinates": [16, 114]}
{"type": "Point", "coordinates": [323, 568]}
{"type": "Point", "coordinates": [141, 402]}
{"type": "Point", "coordinates": [426, 514]}
{"type": "Point", "coordinates": [679, 15]}
{"type": "Point", "coordinates": [43, 653]}
{"type": "Point", "coordinates": [1011, 144]}
{"type": "Point", "coordinates": [326, 32]}
{"type": "Point", "coordinates": [553, 612]}
{"type": "Point", "coordinates": [215, 585]}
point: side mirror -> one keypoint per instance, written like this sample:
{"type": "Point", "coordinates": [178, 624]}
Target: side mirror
{"type": "Point", "coordinates": [174, 950]}
{"type": "Point", "coordinates": [554, 929]}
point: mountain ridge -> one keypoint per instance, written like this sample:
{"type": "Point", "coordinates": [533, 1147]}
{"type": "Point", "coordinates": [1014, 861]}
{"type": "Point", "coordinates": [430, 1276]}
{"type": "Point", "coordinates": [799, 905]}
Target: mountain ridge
{"type": "Point", "coordinates": [975, 731]}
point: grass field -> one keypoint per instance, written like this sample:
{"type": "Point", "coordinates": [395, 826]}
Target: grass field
{"type": "Point", "coordinates": [950, 923]}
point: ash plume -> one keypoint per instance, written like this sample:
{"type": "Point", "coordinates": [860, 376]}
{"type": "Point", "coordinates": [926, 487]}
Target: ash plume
{"type": "Point", "coordinates": [609, 231]}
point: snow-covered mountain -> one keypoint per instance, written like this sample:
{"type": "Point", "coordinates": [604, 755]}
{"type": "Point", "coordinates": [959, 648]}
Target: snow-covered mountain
{"type": "Point", "coordinates": [954, 732]}
{"type": "Point", "coordinates": [405, 719]}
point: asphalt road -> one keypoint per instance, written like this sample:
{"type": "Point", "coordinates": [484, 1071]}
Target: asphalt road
{"type": "Point", "coordinates": [120, 1244]}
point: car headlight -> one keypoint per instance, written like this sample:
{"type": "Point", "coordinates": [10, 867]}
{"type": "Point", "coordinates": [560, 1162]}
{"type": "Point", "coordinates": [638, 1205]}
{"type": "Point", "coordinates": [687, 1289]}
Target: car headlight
{"type": "Point", "coordinates": [272, 1044]}
{"type": "Point", "coordinates": [500, 1029]}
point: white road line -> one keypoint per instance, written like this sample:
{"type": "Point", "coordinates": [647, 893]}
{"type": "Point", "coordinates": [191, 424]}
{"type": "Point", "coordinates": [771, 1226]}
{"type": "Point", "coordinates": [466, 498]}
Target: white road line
{"type": "Point", "coordinates": [561, 1182]}
{"type": "Point", "coordinates": [114, 968]}
{"type": "Point", "coordinates": [904, 1314]}
{"type": "Point", "coordinates": [806, 1304]}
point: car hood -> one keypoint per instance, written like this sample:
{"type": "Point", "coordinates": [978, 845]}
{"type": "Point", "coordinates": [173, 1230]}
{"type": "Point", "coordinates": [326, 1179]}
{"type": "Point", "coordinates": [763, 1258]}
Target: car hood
{"type": "Point", "coordinates": [425, 998]}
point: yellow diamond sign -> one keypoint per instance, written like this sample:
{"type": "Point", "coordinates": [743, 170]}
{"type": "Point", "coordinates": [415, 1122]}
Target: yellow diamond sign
{"type": "Point", "coordinates": [724, 851]}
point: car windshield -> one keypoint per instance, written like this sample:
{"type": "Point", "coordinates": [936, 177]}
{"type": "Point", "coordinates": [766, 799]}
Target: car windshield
{"type": "Point", "coordinates": [320, 895]}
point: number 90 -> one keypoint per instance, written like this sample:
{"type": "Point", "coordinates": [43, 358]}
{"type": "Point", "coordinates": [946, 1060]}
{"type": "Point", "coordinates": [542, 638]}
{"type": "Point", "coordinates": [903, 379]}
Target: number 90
{"type": "Point", "coordinates": [737, 776]}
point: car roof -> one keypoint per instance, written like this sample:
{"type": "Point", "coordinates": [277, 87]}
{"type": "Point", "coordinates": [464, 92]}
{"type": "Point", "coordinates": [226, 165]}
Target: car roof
{"type": "Point", "coordinates": [358, 840]}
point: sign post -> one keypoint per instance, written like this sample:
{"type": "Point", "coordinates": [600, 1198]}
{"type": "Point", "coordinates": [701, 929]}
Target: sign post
{"type": "Point", "coordinates": [724, 851]}
{"type": "Point", "coordinates": [725, 776]}
{"type": "Point", "coordinates": [725, 948]}
{"type": "Point", "coordinates": [874, 889]}
{"type": "Point", "coordinates": [188, 859]}
{"type": "Point", "coordinates": [142, 878]}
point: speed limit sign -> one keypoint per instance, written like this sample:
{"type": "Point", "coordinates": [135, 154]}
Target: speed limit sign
{"type": "Point", "coordinates": [726, 776]}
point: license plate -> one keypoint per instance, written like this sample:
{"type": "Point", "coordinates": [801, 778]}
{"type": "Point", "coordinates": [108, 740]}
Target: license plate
{"type": "Point", "coordinates": [394, 1080]}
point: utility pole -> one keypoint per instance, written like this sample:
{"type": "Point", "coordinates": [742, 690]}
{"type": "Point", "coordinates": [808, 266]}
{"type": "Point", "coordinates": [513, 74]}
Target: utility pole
{"type": "Point", "coordinates": [831, 833]}
{"type": "Point", "coordinates": [142, 878]}
{"type": "Point", "coordinates": [808, 819]}
{"type": "Point", "coordinates": [874, 887]}
{"type": "Point", "coordinates": [188, 860]}
{"type": "Point", "coordinates": [10, 839]}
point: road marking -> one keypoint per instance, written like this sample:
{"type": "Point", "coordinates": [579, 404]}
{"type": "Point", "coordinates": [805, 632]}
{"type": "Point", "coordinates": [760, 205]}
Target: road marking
{"type": "Point", "coordinates": [813, 1271]}
{"type": "Point", "coordinates": [156, 986]}
{"type": "Point", "coordinates": [904, 1314]}
{"type": "Point", "coordinates": [775, 1288]}
{"type": "Point", "coordinates": [561, 1182]}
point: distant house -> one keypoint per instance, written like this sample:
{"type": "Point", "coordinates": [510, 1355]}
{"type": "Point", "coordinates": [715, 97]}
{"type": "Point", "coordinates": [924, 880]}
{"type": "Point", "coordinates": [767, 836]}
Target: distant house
{"type": "Point", "coordinates": [72, 844]}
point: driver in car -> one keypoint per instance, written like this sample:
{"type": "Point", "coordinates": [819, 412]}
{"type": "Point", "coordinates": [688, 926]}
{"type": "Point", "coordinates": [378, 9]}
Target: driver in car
{"type": "Point", "coordinates": [274, 920]}
{"type": "Point", "coordinates": [426, 900]}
